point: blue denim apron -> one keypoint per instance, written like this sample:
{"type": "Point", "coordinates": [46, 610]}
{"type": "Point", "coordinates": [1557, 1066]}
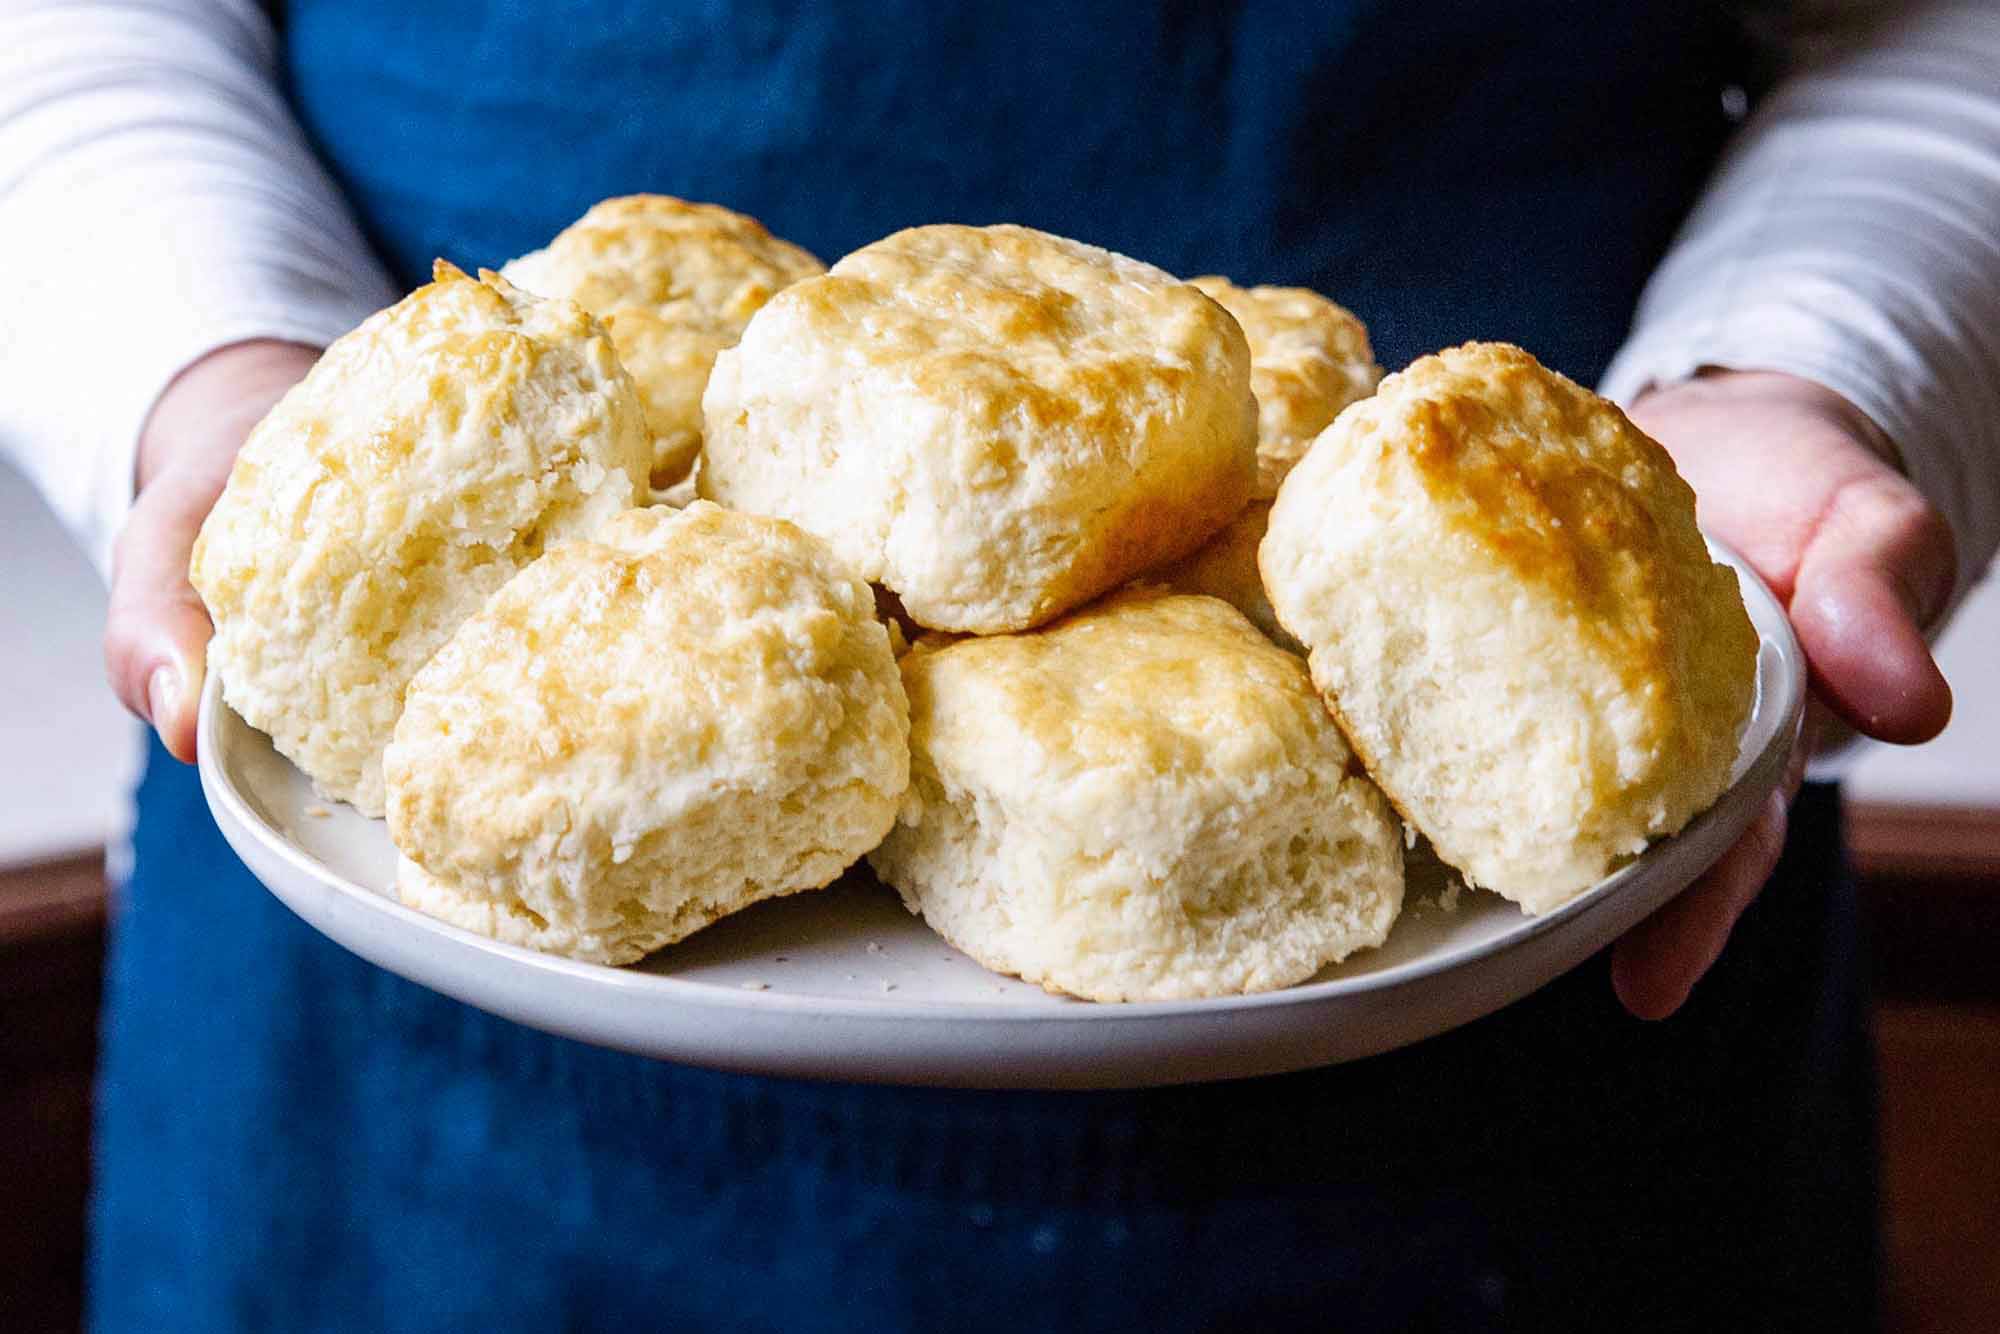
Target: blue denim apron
{"type": "Point", "coordinates": [290, 1139]}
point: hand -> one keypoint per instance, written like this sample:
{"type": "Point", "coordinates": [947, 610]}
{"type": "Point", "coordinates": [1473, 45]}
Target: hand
{"type": "Point", "coordinates": [156, 632]}
{"type": "Point", "coordinates": [1805, 486]}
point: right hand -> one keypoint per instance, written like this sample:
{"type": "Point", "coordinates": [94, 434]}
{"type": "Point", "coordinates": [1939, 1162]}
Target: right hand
{"type": "Point", "coordinates": [156, 632]}
{"type": "Point", "coordinates": [1806, 486]}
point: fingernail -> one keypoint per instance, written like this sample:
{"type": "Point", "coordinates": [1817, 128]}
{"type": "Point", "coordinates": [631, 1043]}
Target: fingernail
{"type": "Point", "coordinates": [163, 688]}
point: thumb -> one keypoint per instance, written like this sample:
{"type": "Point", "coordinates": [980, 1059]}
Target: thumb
{"type": "Point", "coordinates": [156, 631]}
{"type": "Point", "coordinates": [1878, 566]}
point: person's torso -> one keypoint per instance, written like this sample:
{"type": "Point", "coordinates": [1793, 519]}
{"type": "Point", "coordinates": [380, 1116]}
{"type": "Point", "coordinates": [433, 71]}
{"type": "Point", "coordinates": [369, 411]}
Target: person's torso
{"type": "Point", "coordinates": [1501, 169]}
{"type": "Point", "coordinates": [291, 1139]}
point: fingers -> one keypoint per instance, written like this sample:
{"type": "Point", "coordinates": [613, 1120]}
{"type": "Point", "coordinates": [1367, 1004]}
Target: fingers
{"type": "Point", "coordinates": [1805, 485]}
{"type": "Point", "coordinates": [156, 630]}
{"type": "Point", "coordinates": [1879, 566]}
{"type": "Point", "coordinates": [1655, 965]}
{"type": "Point", "coordinates": [1861, 559]}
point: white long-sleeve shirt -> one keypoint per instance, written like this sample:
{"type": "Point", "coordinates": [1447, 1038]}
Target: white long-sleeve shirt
{"type": "Point", "coordinates": [157, 201]}
{"type": "Point", "coordinates": [1852, 236]}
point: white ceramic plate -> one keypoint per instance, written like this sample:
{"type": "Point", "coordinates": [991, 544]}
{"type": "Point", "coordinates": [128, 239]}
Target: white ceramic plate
{"type": "Point", "coordinates": [845, 984]}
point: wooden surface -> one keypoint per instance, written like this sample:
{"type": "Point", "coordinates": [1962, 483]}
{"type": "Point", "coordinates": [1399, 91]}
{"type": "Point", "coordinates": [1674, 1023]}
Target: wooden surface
{"type": "Point", "coordinates": [1936, 843]}
{"type": "Point", "coordinates": [1940, 1065]}
{"type": "Point", "coordinates": [1932, 875]}
{"type": "Point", "coordinates": [51, 951]}
{"type": "Point", "coordinates": [1932, 881]}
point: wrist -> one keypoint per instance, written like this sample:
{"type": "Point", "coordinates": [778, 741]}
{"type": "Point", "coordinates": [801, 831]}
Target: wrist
{"type": "Point", "coordinates": [1713, 387]}
{"type": "Point", "coordinates": [218, 397]}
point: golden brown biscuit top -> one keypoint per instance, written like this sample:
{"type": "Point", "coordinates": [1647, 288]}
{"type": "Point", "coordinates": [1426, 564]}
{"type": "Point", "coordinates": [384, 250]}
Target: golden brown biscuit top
{"type": "Point", "coordinates": [694, 261]}
{"type": "Point", "coordinates": [475, 317]}
{"type": "Point", "coordinates": [1146, 679]}
{"type": "Point", "coordinates": [1309, 358]}
{"type": "Point", "coordinates": [1556, 483]}
{"type": "Point", "coordinates": [672, 660]}
{"type": "Point", "coordinates": [433, 390]}
{"type": "Point", "coordinates": [737, 624]}
{"type": "Point", "coordinates": [1019, 319]}
{"type": "Point", "coordinates": [675, 283]}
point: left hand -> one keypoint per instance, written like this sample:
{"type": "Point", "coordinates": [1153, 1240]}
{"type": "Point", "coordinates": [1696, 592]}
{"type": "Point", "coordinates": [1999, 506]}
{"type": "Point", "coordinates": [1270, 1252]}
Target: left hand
{"type": "Point", "coordinates": [1805, 486]}
{"type": "Point", "coordinates": [156, 630]}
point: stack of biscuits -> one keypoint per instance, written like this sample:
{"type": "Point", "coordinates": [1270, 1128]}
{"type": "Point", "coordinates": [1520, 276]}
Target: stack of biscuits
{"type": "Point", "coordinates": [1126, 626]}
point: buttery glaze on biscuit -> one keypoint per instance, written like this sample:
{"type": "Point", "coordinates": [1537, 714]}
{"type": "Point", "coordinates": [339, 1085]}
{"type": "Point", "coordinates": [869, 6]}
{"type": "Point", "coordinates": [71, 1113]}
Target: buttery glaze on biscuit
{"type": "Point", "coordinates": [1572, 522]}
{"type": "Point", "coordinates": [427, 456]}
{"type": "Point", "coordinates": [1509, 606]}
{"type": "Point", "coordinates": [995, 423]}
{"type": "Point", "coordinates": [641, 733]}
{"type": "Point", "coordinates": [675, 283]}
{"type": "Point", "coordinates": [1142, 800]}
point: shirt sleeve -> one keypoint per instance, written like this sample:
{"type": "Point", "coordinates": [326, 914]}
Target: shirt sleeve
{"type": "Point", "coordinates": [158, 201]}
{"type": "Point", "coordinates": [1852, 236]}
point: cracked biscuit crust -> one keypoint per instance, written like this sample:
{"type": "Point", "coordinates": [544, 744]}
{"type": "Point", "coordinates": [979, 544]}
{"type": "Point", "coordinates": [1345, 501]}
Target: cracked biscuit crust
{"type": "Point", "coordinates": [674, 282]}
{"type": "Point", "coordinates": [995, 423]}
{"type": "Point", "coordinates": [426, 457]}
{"type": "Point", "coordinates": [644, 732]}
{"type": "Point", "coordinates": [1505, 597]}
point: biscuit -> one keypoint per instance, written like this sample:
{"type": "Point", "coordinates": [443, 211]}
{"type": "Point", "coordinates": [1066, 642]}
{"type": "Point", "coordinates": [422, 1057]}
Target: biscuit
{"type": "Point", "coordinates": [1309, 358]}
{"type": "Point", "coordinates": [996, 423]}
{"type": "Point", "coordinates": [427, 455]}
{"type": "Point", "coordinates": [643, 732]}
{"type": "Point", "coordinates": [1509, 606]}
{"type": "Point", "coordinates": [675, 283]}
{"type": "Point", "coordinates": [1141, 801]}
{"type": "Point", "coordinates": [1226, 568]}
